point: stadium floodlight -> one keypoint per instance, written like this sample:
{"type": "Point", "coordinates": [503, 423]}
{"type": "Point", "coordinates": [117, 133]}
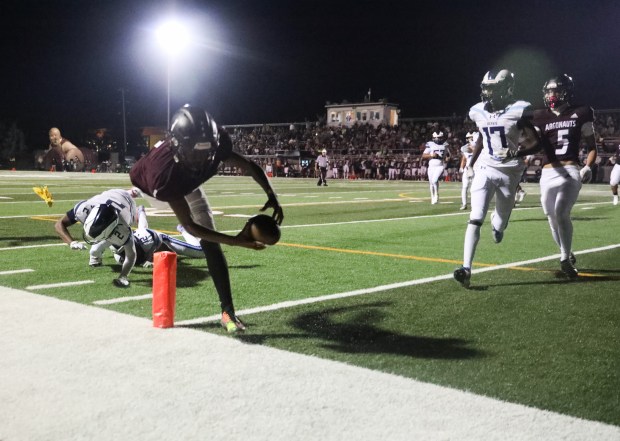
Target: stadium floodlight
{"type": "Point", "coordinates": [173, 37]}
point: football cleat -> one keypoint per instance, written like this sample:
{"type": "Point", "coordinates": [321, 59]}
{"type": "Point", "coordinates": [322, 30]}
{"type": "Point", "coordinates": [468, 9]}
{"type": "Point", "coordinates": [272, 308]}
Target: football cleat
{"type": "Point", "coordinates": [463, 276]}
{"type": "Point", "coordinates": [572, 259]}
{"type": "Point", "coordinates": [463, 207]}
{"type": "Point", "coordinates": [95, 261]}
{"type": "Point", "coordinates": [121, 282]}
{"type": "Point", "coordinates": [498, 236]}
{"type": "Point", "coordinates": [615, 200]}
{"type": "Point", "coordinates": [568, 269]}
{"type": "Point", "coordinates": [232, 323]}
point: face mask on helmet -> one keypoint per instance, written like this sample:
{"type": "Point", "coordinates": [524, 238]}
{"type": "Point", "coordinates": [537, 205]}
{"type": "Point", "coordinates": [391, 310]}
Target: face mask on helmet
{"type": "Point", "coordinates": [497, 88]}
{"type": "Point", "coordinates": [438, 137]}
{"type": "Point", "coordinates": [558, 91]}
{"type": "Point", "coordinates": [194, 136]}
{"type": "Point", "coordinates": [100, 223]}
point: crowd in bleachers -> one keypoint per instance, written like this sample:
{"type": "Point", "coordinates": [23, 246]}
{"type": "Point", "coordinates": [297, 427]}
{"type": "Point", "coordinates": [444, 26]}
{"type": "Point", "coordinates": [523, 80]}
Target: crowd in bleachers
{"type": "Point", "coordinates": [370, 152]}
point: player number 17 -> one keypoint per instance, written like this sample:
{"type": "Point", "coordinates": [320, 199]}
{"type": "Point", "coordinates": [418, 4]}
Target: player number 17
{"type": "Point", "coordinates": [499, 133]}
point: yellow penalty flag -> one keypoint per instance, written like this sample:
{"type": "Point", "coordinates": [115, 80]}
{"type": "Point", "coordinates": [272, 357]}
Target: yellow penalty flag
{"type": "Point", "coordinates": [44, 194]}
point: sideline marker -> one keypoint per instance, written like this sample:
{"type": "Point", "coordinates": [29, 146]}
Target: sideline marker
{"type": "Point", "coordinates": [164, 288]}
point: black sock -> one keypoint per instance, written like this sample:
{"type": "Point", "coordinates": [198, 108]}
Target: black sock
{"type": "Point", "coordinates": [218, 269]}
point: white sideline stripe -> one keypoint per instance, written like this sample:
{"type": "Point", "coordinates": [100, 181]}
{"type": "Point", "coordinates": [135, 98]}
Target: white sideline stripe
{"type": "Point", "coordinates": [53, 348]}
{"type": "Point", "coordinates": [304, 204]}
{"type": "Point", "coordinates": [8, 273]}
{"type": "Point", "coordinates": [34, 246]}
{"type": "Point", "coordinates": [61, 285]}
{"type": "Point", "coordinates": [122, 299]}
{"type": "Point", "coordinates": [359, 292]}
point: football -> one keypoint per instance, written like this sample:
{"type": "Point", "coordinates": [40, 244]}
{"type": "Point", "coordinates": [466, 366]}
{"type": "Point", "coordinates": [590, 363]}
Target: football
{"type": "Point", "coordinates": [263, 228]}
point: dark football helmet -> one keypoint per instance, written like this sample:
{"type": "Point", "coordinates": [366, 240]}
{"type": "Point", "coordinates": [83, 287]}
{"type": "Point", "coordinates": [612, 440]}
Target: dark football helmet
{"type": "Point", "coordinates": [100, 223]}
{"type": "Point", "coordinates": [194, 135]}
{"type": "Point", "coordinates": [497, 88]}
{"type": "Point", "coordinates": [558, 90]}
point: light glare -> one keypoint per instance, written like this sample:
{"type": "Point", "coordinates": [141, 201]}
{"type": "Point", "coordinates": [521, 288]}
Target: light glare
{"type": "Point", "coordinates": [172, 36]}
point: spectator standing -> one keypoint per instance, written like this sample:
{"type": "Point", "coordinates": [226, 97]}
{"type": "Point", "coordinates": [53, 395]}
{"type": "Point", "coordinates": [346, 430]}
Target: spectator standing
{"type": "Point", "coordinates": [64, 149]}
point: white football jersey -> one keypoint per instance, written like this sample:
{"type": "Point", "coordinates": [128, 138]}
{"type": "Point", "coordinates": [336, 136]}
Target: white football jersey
{"type": "Point", "coordinates": [148, 240]}
{"type": "Point", "coordinates": [467, 152]}
{"type": "Point", "coordinates": [433, 148]}
{"type": "Point", "coordinates": [499, 132]}
{"type": "Point", "coordinates": [121, 199]}
{"type": "Point", "coordinates": [120, 235]}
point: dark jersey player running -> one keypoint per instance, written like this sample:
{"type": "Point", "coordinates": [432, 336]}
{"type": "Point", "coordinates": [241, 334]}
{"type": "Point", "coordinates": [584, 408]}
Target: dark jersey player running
{"type": "Point", "coordinates": [563, 126]}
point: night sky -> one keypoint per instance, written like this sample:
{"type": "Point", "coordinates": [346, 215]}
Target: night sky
{"type": "Point", "coordinates": [64, 62]}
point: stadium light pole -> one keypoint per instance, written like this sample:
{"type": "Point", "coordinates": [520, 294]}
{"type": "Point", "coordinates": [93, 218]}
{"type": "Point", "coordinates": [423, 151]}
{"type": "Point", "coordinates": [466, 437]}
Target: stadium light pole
{"type": "Point", "coordinates": [172, 36]}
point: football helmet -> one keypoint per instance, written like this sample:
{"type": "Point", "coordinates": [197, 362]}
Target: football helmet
{"type": "Point", "coordinates": [497, 88]}
{"type": "Point", "coordinates": [100, 223]}
{"type": "Point", "coordinates": [438, 137]}
{"type": "Point", "coordinates": [195, 136]}
{"type": "Point", "coordinates": [557, 91]}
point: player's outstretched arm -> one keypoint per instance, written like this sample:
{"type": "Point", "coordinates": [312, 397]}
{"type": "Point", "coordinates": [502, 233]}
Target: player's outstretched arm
{"type": "Point", "coordinates": [62, 229]}
{"type": "Point", "coordinates": [182, 211]}
{"type": "Point", "coordinates": [261, 179]}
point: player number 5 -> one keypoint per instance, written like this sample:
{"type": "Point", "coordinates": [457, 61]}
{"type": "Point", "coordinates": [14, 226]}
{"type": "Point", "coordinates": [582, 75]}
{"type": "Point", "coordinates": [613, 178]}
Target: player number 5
{"type": "Point", "coordinates": [562, 141]}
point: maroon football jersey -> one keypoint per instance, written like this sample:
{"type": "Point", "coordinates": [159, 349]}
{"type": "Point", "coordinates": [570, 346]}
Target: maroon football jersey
{"type": "Point", "coordinates": [563, 131]}
{"type": "Point", "coordinates": [160, 175]}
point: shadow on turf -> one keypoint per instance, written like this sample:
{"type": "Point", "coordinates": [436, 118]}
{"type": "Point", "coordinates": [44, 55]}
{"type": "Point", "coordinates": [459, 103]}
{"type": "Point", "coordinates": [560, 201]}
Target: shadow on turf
{"type": "Point", "coordinates": [192, 275]}
{"type": "Point", "coordinates": [364, 332]}
{"type": "Point", "coordinates": [19, 241]}
{"type": "Point", "coordinates": [560, 279]}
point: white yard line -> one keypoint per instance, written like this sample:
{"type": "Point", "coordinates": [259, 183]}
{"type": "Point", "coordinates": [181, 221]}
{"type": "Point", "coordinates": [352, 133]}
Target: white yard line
{"type": "Point", "coordinates": [359, 292]}
{"type": "Point", "coordinates": [123, 299]}
{"type": "Point", "coordinates": [8, 273]}
{"type": "Point", "coordinates": [61, 285]}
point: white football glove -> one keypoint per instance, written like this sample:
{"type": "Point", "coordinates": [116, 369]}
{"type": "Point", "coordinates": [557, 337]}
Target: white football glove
{"type": "Point", "coordinates": [75, 245]}
{"type": "Point", "coordinates": [586, 174]}
{"type": "Point", "coordinates": [469, 171]}
{"type": "Point", "coordinates": [121, 282]}
{"type": "Point", "coordinates": [461, 170]}
{"type": "Point", "coordinates": [147, 264]}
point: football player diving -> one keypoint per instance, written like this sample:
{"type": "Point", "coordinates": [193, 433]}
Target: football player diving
{"type": "Point", "coordinates": [148, 242]}
{"type": "Point", "coordinates": [174, 170]}
{"type": "Point", "coordinates": [107, 220]}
